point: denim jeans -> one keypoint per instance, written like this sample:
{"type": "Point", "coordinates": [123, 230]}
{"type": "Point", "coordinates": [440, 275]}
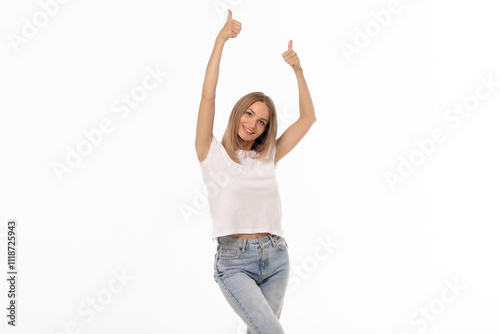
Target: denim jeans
{"type": "Point", "coordinates": [253, 275]}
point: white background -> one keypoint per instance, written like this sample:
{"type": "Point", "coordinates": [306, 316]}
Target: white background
{"type": "Point", "coordinates": [121, 208]}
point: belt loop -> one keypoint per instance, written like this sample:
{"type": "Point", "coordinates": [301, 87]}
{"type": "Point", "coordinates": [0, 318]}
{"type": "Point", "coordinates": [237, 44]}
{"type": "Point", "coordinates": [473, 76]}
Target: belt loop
{"type": "Point", "coordinates": [244, 245]}
{"type": "Point", "coordinates": [271, 236]}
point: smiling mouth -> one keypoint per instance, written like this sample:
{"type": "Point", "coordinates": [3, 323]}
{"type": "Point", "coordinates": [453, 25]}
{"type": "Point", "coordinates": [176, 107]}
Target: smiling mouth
{"type": "Point", "coordinates": [247, 131]}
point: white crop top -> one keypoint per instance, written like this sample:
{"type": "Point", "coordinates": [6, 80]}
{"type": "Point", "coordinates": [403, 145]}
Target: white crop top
{"type": "Point", "coordinates": [243, 198]}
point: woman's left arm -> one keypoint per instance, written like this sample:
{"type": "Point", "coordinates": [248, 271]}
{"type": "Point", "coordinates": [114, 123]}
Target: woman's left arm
{"type": "Point", "coordinates": [295, 132]}
{"type": "Point", "coordinates": [305, 101]}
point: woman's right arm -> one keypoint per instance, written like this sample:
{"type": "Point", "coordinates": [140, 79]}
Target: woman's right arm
{"type": "Point", "coordinates": [206, 114]}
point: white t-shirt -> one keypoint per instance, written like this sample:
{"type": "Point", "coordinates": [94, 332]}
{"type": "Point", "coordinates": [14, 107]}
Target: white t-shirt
{"type": "Point", "coordinates": [243, 198]}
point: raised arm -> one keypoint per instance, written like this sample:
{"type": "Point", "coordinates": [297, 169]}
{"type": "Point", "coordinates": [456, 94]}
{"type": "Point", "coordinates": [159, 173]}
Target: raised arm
{"type": "Point", "coordinates": [206, 114]}
{"type": "Point", "coordinates": [295, 132]}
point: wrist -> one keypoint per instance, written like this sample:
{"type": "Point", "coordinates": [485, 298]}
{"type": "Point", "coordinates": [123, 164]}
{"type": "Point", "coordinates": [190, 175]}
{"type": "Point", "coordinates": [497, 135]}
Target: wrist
{"type": "Point", "coordinates": [220, 39]}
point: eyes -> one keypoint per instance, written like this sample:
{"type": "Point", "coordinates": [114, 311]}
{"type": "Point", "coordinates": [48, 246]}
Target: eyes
{"type": "Point", "coordinates": [261, 121]}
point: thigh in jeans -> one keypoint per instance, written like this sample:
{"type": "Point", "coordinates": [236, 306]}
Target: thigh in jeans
{"type": "Point", "coordinates": [274, 285]}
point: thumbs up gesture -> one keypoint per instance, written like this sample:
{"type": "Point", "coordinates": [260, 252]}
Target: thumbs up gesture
{"type": "Point", "coordinates": [291, 57]}
{"type": "Point", "coordinates": [231, 28]}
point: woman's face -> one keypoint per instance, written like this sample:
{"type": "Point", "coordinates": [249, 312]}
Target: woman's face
{"type": "Point", "coordinates": [255, 120]}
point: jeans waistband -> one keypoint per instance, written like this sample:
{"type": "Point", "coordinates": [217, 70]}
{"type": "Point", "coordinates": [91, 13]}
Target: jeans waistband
{"type": "Point", "coordinates": [241, 242]}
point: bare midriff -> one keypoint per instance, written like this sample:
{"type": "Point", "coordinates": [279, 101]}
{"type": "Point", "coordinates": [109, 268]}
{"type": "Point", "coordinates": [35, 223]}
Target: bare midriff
{"type": "Point", "coordinates": [249, 235]}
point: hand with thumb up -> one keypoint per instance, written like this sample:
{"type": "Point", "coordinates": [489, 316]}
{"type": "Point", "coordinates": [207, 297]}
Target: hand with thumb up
{"type": "Point", "coordinates": [291, 57]}
{"type": "Point", "coordinates": [231, 28]}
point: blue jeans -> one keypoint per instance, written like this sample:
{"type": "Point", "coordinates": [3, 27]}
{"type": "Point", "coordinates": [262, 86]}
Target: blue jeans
{"type": "Point", "coordinates": [253, 275]}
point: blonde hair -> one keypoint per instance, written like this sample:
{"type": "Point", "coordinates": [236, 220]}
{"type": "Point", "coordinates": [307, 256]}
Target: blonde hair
{"type": "Point", "coordinates": [265, 142]}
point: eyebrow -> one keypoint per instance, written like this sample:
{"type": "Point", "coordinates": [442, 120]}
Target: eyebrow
{"type": "Point", "coordinates": [261, 117]}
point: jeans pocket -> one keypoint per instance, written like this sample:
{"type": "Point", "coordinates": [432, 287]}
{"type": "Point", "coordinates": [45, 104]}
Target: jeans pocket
{"type": "Point", "coordinates": [229, 252]}
{"type": "Point", "coordinates": [281, 243]}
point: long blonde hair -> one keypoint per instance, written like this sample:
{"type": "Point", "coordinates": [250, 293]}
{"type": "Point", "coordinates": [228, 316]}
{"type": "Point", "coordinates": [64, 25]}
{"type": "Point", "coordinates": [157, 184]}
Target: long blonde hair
{"type": "Point", "coordinates": [264, 143]}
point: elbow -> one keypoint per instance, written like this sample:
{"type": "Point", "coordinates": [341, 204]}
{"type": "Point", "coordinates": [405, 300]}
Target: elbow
{"type": "Point", "coordinates": [312, 116]}
{"type": "Point", "coordinates": [308, 119]}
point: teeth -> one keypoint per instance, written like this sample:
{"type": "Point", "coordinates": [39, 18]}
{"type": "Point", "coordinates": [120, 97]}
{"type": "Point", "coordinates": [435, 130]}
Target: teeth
{"type": "Point", "coordinates": [248, 130]}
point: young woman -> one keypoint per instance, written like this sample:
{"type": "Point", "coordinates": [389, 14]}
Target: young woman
{"type": "Point", "coordinates": [251, 265]}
